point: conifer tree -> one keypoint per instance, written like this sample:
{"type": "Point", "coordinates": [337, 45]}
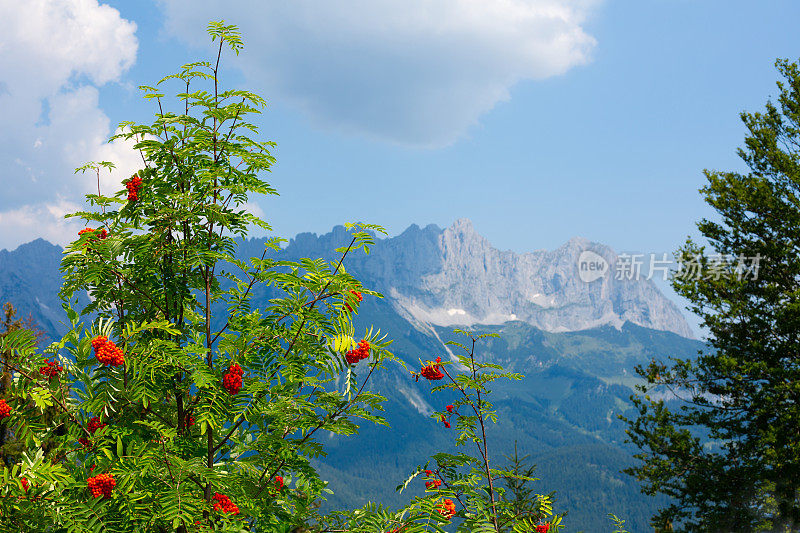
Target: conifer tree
{"type": "Point", "coordinates": [721, 434]}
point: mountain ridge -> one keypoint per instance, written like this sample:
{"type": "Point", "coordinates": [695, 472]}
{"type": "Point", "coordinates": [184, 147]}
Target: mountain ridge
{"type": "Point", "coordinates": [433, 276]}
{"type": "Point", "coordinates": [455, 277]}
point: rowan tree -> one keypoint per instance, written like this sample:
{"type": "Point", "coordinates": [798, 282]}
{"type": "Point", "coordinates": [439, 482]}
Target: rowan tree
{"type": "Point", "coordinates": [180, 417]}
{"type": "Point", "coordinates": [177, 403]}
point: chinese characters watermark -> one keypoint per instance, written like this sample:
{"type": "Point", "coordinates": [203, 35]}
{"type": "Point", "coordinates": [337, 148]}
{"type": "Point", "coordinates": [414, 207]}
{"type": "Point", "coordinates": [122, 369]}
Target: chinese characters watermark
{"type": "Point", "coordinates": [630, 267]}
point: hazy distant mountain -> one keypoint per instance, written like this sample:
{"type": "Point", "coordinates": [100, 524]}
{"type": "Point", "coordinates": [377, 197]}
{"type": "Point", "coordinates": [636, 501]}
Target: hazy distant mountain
{"type": "Point", "coordinates": [30, 279]}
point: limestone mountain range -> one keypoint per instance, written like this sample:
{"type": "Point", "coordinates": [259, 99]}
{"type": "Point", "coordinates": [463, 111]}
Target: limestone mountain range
{"type": "Point", "coordinates": [431, 276]}
{"type": "Point", "coordinates": [455, 277]}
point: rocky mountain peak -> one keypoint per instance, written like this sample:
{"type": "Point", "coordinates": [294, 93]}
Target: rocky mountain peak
{"type": "Point", "coordinates": [459, 278]}
{"type": "Point", "coordinates": [463, 226]}
{"type": "Point", "coordinates": [454, 276]}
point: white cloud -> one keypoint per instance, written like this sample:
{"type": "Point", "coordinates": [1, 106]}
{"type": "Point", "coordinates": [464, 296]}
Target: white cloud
{"type": "Point", "coordinates": [45, 220]}
{"type": "Point", "coordinates": [54, 54]}
{"type": "Point", "coordinates": [417, 72]}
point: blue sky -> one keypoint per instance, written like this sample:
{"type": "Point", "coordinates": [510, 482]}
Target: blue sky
{"type": "Point", "coordinates": [537, 119]}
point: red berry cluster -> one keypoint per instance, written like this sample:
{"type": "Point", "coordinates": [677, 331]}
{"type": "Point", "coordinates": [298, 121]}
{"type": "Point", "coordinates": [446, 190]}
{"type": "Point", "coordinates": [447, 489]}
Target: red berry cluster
{"type": "Point", "coordinates": [543, 528]}
{"type": "Point", "coordinates": [94, 424]}
{"type": "Point", "coordinates": [189, 421]}
{"type": "Point", "coordinates": [5, 409]}
{"type": "Point", "coordinates": [446, 419]}
{"type": "Point", "coordinates": [101, 235]}
{"type": "Point", "coordinates": [432, 371]}
{"type": "Point", "coordinates": [107, 352]}
{"type": "Point", "coordinates": [359, 353]}
{"type": "Point", "coordinates": [436, 483]}
{"type": "Point", "coordinates": [52, 369]}
{"type": "Point", "coordinates": [447, 509]}
{"type": "Point", "coordinates": [232, 380]}
{"type": "Point", "coordinates": [133, 185]}
{"type": "Point", "coordinates": [103, 232]}
{"type": "Point", "coordinates": [24, 482]}
{"type": "Point", "coordinates": [358, 296]}
{"type": "Point", "coordinates": [279, 482]}
{"type": "Point", "coordinates": [101, 485]}
{"type": "Point", "coordinates": [224, 504]}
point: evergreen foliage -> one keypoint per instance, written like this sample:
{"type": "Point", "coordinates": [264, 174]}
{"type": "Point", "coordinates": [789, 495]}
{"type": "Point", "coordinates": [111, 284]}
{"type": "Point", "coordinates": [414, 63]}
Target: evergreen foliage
{"type": "Point", "coordinates": [729, 456]}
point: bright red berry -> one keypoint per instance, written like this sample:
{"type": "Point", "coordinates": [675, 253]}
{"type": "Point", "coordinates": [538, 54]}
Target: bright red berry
{"type": "Point", "coordinates": [432, 371]}
{"type": "Point", "coordinates": [24, 482]}
{"type": "Point", "coordinates": [358, 353]}
{"type": "Point", "coordinates": [107, 352]}
{"type": "Point", "coordinates": [224, 504]}
{"type": "Point", "coordinates": [449, 408]}
{"type": "Point", "coordinates": [51, 370]}
{"type": "Point", "coordinates": [101, 235]}
{"type": "Point", "coordinates": [5, 409]}
{"type": "Point", "coordinates": [447, 509]}
{"type": "Point", "coordinates": [101, 485]}
{"type": "Point", "coordinates": [133, 185]}
{"type": "Point", "coordinates": [359, 298]}
{"type": "Point", "coordinates": [445, 422]}
{"type": "Point", "coordinates": [543, 528]}
{"type": "Point", "coordinates": [232, 379]}
{"type": "Point", "coordinates": [94, 424]}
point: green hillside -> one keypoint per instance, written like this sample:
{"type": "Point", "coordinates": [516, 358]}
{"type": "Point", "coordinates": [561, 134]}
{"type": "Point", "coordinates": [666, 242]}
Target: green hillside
{"type": "Point", "coordinates": [563, 414]}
